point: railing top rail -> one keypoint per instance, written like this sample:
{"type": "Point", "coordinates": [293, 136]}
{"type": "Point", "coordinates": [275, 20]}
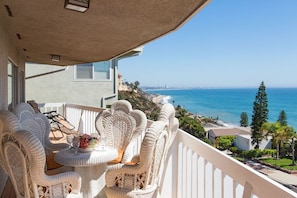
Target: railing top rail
{"type": "Point", "coordinates": [238, 171]}
{"type": "Point", "coordinates": [49, 105]}
{"type": "Point", "coordinates": [87, 108]}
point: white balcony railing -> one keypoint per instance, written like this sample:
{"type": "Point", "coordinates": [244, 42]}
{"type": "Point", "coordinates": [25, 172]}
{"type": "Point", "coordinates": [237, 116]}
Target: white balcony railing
{"type": "Point", "coordinates": [192, 168]}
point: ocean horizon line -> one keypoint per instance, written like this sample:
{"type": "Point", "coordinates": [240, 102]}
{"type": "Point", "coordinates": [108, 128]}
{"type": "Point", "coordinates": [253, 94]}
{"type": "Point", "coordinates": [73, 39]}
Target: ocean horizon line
{"type": "Point", "coordinates": [187, 88]}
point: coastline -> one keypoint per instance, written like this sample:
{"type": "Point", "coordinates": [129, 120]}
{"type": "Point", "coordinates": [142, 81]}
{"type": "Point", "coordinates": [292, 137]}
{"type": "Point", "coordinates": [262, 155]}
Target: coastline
{"type": "Point", "coordinates": [228, 104]}
{"type": "Point", "coordinates": [161, 99]}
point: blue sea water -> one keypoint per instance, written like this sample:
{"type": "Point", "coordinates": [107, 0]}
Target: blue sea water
{"type": "Point", "coordinates": [228, 104]}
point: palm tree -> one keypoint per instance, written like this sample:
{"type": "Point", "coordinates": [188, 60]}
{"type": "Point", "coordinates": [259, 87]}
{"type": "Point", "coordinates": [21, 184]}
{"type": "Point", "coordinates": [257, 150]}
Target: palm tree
{"type": "Point", "coordinates": [293, 139]}
{"type": "Point", "coordinates": [279, 133]}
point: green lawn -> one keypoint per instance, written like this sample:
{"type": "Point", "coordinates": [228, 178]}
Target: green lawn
{"type": "Point", "coordinates": [283, 163]}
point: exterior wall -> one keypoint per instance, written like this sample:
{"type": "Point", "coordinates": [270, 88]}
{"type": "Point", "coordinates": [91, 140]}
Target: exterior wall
{"type": "Point", "coordinates": [7, 52]}
{"type": "Point", "coordinates": [3, 68]}
{"type": "Point", "coordinates": [266, 144]}
{"type": "Point", "coordinates": [244, 142]}
{"type": "Point", "coordinates": [211, 136]}
{"type": "Point", "coordinates": [61, 87]}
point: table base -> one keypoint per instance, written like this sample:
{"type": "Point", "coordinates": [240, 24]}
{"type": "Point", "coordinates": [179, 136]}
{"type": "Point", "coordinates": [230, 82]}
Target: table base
{"type": "Point", "coordinates": [93, 180]}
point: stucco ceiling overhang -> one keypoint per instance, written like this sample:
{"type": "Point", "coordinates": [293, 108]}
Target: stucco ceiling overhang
{"type": "Point", "coordinates": [108, 29]}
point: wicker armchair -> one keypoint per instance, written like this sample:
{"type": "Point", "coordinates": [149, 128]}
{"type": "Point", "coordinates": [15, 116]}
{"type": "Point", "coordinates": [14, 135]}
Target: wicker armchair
{"type": "Point", "coordinates": [122, 126]}
{"type": "Point", "coordinates": [38, 124]}
{"type": "Point", "coordinates": [22, 157]}
{"type": "Point", "coordinates": [167, 115]}
{"type": "Point", "coordinates": [141, 179]}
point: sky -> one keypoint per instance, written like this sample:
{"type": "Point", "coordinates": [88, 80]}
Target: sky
{"type": "Point", "coordinates": [228, 44]}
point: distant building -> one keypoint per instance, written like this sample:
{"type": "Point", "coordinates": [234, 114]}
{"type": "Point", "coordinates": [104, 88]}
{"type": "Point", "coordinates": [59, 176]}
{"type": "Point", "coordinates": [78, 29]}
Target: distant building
{"type": "Point", "coordinates": [244, 142]}
{"type": "Point", "coordinates": [121, 86]}
{"type": "Point", "coordinates": [214, 133]}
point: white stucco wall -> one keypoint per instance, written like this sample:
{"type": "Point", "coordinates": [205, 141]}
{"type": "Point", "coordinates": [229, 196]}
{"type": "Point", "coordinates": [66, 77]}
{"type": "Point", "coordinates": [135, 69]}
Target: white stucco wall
{"type": "Point", "coordinates": [61, 87]}
{"type": "Point", "coordinates": [244, 142]}
{"type": "Point", "coordinates": [211, 136]}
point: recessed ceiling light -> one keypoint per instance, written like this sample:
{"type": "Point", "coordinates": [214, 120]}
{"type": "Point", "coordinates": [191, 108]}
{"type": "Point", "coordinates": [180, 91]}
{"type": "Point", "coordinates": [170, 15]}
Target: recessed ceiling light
{"type": "Point", "coordinates": [77, 5]}
{"type": "Point", "coordinates": [55, 58]}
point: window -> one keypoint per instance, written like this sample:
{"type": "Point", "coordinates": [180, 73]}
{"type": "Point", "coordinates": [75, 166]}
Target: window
{"type": "Point", "coordinates": [93, 71]}
{"type": "Point", "coordinates": [16, 85]}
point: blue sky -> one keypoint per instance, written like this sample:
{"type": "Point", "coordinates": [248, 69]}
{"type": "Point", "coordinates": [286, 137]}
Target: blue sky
{"type": "Point", "coordinates": [229, 43]}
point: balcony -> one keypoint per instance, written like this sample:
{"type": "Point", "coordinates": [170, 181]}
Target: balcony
{"type": "Point", "coordinates": [192, 168]}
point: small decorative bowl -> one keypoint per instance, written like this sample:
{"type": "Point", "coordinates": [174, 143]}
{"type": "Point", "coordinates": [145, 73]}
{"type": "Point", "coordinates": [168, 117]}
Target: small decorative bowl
{"type": "Point", "coordinates": [86, 150]}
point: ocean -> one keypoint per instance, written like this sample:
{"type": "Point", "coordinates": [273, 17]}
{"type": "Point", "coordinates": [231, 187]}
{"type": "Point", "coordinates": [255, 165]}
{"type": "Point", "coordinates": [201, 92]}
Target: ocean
{"type": "Point", "coordinates": [228, 104]}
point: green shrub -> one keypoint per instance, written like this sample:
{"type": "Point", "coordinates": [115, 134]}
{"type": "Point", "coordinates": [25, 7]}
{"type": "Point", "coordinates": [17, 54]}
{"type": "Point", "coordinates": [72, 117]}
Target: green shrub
{"type": "Point", "coordinates": [234, 149]}
{"type": "Point", "coordinates": [225, 142]}
{"type": "Point", "coordinates": [251, 153]}
{"type": "Point", "coordinates": [269, 152]}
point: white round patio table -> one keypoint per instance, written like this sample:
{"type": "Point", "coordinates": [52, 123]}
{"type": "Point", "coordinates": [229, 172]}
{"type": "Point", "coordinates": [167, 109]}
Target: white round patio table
{"type": "Point", "coordinates": [91, 166]}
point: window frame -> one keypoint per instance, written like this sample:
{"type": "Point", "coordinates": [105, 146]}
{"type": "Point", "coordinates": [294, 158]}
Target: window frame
{"type": "Point", "coordinates": [93, 74]}
{"type": "Point", "coordinates": [16, 84]}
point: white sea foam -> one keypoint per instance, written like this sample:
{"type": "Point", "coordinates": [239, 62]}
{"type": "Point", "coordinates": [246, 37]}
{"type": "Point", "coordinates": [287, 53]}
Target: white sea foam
{"type": "Point", "coordinates": [165, 99]}
{"type": "Point", "coordinates": [226, 124]}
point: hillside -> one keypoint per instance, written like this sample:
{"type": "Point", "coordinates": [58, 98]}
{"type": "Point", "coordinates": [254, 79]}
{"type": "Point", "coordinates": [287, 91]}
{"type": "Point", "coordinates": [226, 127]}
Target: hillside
{"type": "Point", "coordinates": [142, 101]}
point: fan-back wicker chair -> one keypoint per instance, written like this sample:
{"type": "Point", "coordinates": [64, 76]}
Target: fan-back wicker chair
{"type": "Point", "coordinates": [22, 157]}
{"type": "Point", "coordinates": [141, 179]}
{"type": "Point", "coordinates": [122, 126]}
{"type": "Point", "coordinates": [167, 115]}
{"type": "Point", "coordinates": [38, 124]}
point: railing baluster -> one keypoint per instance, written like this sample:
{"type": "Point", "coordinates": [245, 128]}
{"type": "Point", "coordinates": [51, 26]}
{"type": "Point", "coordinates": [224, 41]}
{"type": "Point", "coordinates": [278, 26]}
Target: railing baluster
{"type": "Point", "coordinates": [212, 180]}
{"type": "Point", "coordinates": [223, 185]}
{"type": "Point", "coordinates": [199, 169]}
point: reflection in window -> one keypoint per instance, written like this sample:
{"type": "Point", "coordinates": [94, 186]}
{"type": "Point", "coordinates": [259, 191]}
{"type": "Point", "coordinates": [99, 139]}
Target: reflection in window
{"type": "Point", "coordinates": [93, 71]}
{"type": "Point", "coordinates": [84, 71]}
{"type": "Point", "coordinates": [10, 86]}
{"type": "Point", "coordinates": [102, 70]}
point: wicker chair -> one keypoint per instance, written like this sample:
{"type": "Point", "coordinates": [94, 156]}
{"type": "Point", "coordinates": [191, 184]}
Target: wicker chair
{"type": "Point", "coordinates": [122, 126]}
{"type": "Point", "coordinates": [38, 124]}
{"type": "Point", "coordinates": [22, 157]}
{"type": "Point", "coordinates": [141, 176]}
{"type": "Point", "coordinates": [167, 115]}
{"type": "Point", "coordinates": [141, 179]}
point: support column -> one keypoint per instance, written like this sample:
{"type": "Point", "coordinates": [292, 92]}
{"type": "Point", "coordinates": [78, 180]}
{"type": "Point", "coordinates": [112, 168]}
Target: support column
{"type": "Point", "coordinates": [3, 69]}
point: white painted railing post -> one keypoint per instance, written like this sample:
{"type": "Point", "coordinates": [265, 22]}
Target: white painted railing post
{"type": "Point", "coordinates": [247, 192]}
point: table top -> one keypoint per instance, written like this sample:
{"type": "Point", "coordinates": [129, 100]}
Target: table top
{"type": "Point", "coordinates": [67, 157]}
